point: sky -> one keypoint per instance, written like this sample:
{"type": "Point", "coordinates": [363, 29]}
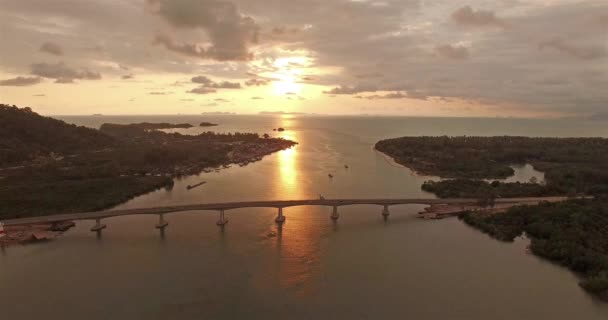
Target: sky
{"type": "Point", "coordinates": [501, 58]}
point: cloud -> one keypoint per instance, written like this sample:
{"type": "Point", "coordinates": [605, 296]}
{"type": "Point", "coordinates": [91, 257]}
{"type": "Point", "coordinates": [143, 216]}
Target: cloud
{"type": "Point", "coordinates": [208, 83]}
{"type": "Point", "coordinates": [201, 80]}
{"type": "Point", "coordinates": [395, 95]}
{"type": "Point", "coordinates": [453, 52]}
{"type": "Point", "coordinates": [64, 80]}
{"type": "Point", "coordinates": [231, 33]}
{"type": "Point", "coordinates": [392, 95]}
{"type": "Point", "coordinates": [369, 75]}
{"type": "Point", "coordinates": [257, 82]}
{"type": "Point", "coordinates": [466, 16]}
{"type": "Point", "coordinates": [39, 95]}
{"type": "Point", "coordinates": [202, 90]}
{"type": "Point", "coordinates": [62, 73]}
{"type": "Point", "coordinates": [352, 90]}
{"type": "Point", "coordinates": [51, 48]}
{"type": "Point", "coordinates": [257, 98]}
{"type": "Point", "coordinates": [158, 93]}
{"type": "Point", "coordinates": [583, 53]}
{"type": "Point", "coordinates": [127, 76]}
{"type": "Point", "coordinates": [20, 81]}
{"type": "Point", "coordinates": [188, 49]}
{"type": "Point", "coordinates": [225, 85]}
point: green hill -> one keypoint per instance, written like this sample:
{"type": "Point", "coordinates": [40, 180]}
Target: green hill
{"type": "Point", "coordinates": [25, 135]}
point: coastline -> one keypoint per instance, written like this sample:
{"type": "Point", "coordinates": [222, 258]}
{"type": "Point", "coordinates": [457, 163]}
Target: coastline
{"type": "Point", "coordinates": [393, 162]}
{"type": "Point", "coordinates": [46, 232]}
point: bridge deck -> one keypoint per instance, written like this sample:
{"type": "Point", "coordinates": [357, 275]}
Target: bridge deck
{"type": "Point", "coordinates": [261, 204]}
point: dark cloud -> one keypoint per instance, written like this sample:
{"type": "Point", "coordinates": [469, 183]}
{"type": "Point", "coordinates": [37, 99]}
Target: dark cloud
{"type": "Point", "coordinates": [188, 49]}
{"type": "Point", "coordinates": [392, 95]}
{"type": "Point", "coordinates": [202, 90]}
{"type": "Point", "coordinates": [225, 85]}
{"type": "Point", "coordinates": [62, 73]}
{"type": "Point", "coordinates": [51, 48]}
{"type": "Point", "coordinates": [395, 95]}
{"type": "Point", "coordinates": [579, 52]}
{"type": "Point", "coordinates": [466, 16]}
{"type": "Point", "coordinates": [20, 81]}
{"type": "Point", "coordinates": [352, 90]}
{"type": "Point", "coordinates": [230, 32]}
{"type": "Point", "coordinates": [452, 52]}
{"type": "Point", "coordinates": [257, 82]}
{"type": "Point", "coordinates": [202, 80]}
{"type": "Point", "coordinates": [208, 83]}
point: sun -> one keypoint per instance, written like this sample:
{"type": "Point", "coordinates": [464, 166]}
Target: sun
{"type": "Point", "coordinates": [288, 71]}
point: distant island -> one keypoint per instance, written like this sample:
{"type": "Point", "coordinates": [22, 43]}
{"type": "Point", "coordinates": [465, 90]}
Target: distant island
{"type": "Point", "coordinates": [219, 113]}
{"type": "Point", "coordinates": [50, 167]}
{"type": "Point", "coordinates": [573, 233]}
{"type": "Point", "coordinates": [145, 126]}
{"type": "Point", "coordinates": [207, 124]}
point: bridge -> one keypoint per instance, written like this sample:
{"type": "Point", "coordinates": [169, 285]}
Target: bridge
{"type": "Point", "coordinates": [221, 208]}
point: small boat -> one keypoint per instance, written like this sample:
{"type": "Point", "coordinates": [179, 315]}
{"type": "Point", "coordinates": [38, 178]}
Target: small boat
{"type": "Point", "coordinates": [345, 166]}
{"type": "Point", "coordinates": [196, 185]}
{"type": "Point", "coordinates": [330, 175]}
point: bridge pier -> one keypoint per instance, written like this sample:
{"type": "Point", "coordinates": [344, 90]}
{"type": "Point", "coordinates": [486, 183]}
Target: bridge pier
{"type": "Point", "coordinates": [385, 211]}
{"type": "Point", "coordinates": [280, 217]}
{"type": "Point", "coordinates": [98, 226]}
{"type": "Point", "coordinates": [334, 214]}
{"type": "Point", "coordinates": [162, 224]}
{"type": "Point", "coordinates": [222, 221]}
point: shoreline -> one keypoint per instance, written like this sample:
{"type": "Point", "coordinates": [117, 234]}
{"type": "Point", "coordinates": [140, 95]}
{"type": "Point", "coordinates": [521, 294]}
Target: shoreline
{"type": "Point", "coordinates": [34, 233]}
{"type": "Point", "coordinates": [392, 162]}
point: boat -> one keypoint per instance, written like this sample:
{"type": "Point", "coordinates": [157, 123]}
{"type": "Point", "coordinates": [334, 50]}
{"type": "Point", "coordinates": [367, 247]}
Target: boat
{"type": "Point", "coordinates": [196, 185]}
{"type": "Point", "coordinates": [345, 166]}
{"type": "Point", "coordinates": [330, 175]}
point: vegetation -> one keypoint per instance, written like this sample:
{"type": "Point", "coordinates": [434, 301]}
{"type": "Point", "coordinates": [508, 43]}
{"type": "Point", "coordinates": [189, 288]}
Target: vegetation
{"type": "Point", "coordinates": [467, 188]}
{"type": "Point", "coordinates": [25, 135]}
{"type": "Point", "coordinates": [572, 233]}
{"type": "Point", "coordinates": [52, 167]}
{"type": "Point", "coordinates": [569, 164]}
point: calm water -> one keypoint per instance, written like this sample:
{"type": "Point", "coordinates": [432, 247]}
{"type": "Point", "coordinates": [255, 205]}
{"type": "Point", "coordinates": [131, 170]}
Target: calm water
{"type": "Point", "coordinates": [311, 268]}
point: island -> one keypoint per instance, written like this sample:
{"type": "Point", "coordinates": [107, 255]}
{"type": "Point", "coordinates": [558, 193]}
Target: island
{"type": "Point", "coordinates": [50, 167]}
{"type": "Point", "coordinates": [147, 126]}
{"type": "Point", "coordinates": [573, 233]}
{"type": "Point", "coordinates": [207, 124]}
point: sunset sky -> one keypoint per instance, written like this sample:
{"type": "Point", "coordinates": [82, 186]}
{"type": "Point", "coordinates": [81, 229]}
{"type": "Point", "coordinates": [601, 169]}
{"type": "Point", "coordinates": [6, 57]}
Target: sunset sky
{"type": "Point", "coordinates": [523, 58]}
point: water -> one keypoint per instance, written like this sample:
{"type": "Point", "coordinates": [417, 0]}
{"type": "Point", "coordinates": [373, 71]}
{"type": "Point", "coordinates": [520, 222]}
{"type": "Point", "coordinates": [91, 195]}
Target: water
{"type": "Point", "coordinates": [359, 268]}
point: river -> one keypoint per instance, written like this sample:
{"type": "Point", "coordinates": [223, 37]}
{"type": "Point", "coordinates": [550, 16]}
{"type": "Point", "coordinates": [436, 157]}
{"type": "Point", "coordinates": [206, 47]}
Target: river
{"type": "Point", "coordinates": [358, 268]}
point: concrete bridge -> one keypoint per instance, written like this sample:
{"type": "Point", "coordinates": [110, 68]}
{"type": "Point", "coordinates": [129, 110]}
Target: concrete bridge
{"type": "Point", "coordinates": [221, 208]}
